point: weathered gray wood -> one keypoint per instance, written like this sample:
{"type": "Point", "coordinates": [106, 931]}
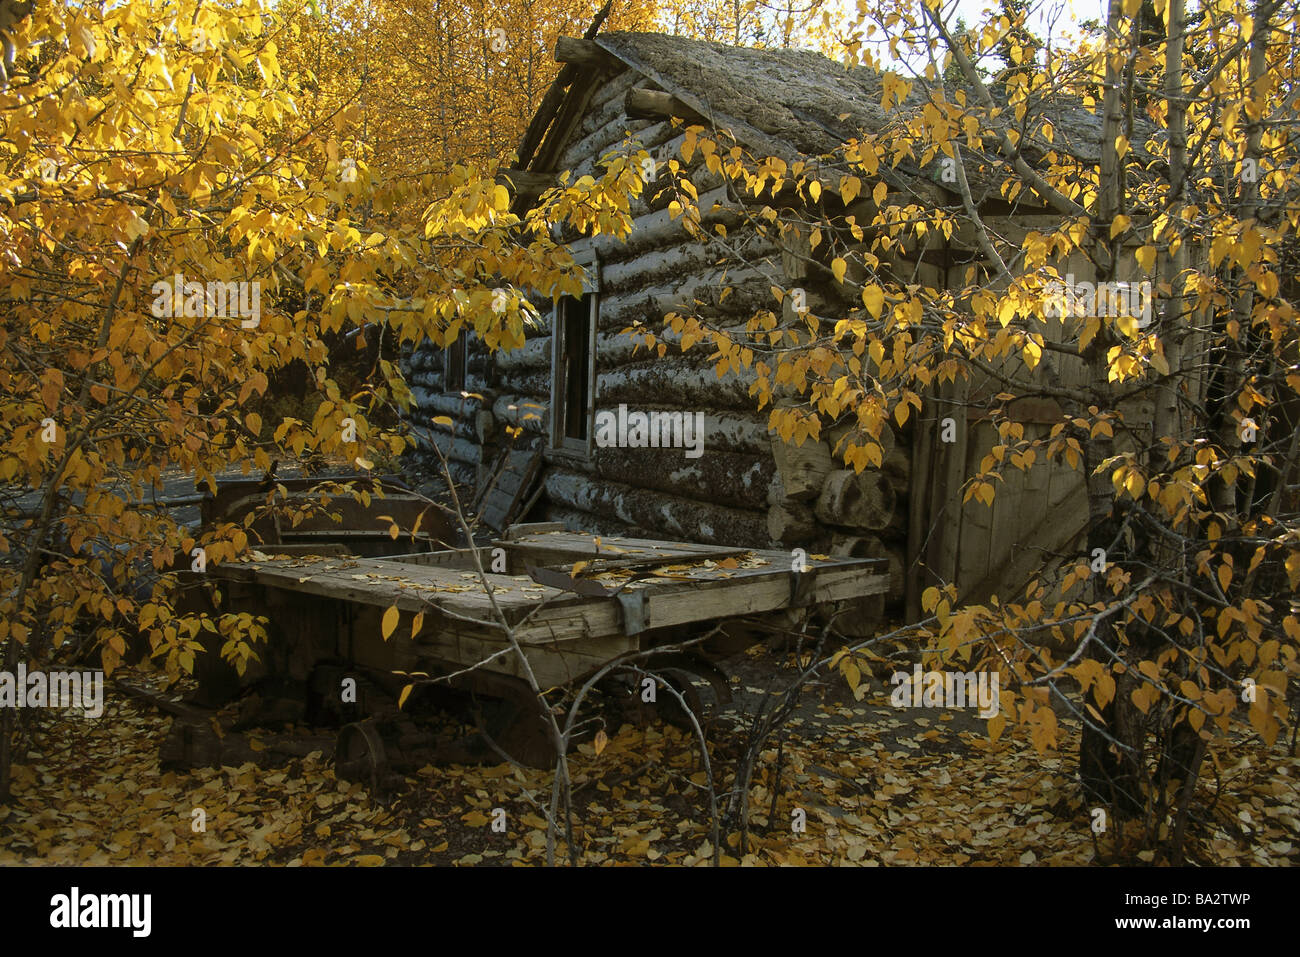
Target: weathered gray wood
{"type": "Point", "coordinates": [607, 101]}
{"type": "Point", "coordinates": [585, 53]}
{"type": "Point", "coordinates": [686, 258]}
{"type": "Point", "coordinates": [653, 138]}
{"type": "Point", "coordinates": [791, 523]}
{"type": "Point", "coordinates": [525, 413]}
{"type": "Point", "coordinates": [641, 103]}
{"type": "Point", "coordinates": [661, 228]}
{"type": "Point", "coordinates": [699, 521]}
{"type": "Point", "coordinates": [464, 451]}
{"type": "Point", "coordinates": [447, 403]}
{"type": "Point", "coordinates": [670, 381]}
{"type": "Point", "coordinates": [739, 479]}
{"type": "Point", "coordinates": [803, 468]}
{"type": "Point", "coordinates": [575, 520]}
{"type": "Point", "coordinates": [856, 500]}
{"type": "Point", "coordinates": [750, 288]}
{"type": "Point", "coordinates": [604, 139]}
{"type": "Point", "coordinates": [535, 353]}
{"type": "Point", "coordinates": [507, 489]}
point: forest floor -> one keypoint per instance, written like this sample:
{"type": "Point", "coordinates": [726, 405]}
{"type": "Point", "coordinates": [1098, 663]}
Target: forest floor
{"type": "Point", "coordinates": [872, 784]}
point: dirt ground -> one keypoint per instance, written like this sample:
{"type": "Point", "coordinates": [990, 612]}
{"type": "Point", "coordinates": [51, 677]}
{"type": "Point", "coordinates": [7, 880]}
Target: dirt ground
{"type": "Point", "coordinates": [859, 782]}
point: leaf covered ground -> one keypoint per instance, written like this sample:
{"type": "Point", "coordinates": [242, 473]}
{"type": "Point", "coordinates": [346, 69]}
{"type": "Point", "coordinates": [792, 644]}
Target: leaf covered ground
{"type": "Point", "coordinates": [876, 785]}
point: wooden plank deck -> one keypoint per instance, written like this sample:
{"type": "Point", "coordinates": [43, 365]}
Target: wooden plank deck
{"type": "Point", "coordinates": [684, 584]}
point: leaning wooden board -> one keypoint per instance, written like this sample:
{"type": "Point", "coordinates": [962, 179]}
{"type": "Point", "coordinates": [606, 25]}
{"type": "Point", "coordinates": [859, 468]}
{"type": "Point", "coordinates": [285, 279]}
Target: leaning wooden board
{"type": "Point", "coordinates": [567, 635]}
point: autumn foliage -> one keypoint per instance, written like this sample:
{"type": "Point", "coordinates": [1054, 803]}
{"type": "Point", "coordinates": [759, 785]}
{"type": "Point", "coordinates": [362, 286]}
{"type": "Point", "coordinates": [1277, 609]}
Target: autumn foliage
{"type": "Point", "coordinates": [196, 196]}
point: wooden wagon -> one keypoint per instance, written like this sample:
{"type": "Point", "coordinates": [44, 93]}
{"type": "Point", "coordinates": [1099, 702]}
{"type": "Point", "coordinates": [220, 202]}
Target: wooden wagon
{"type": "Point", "coordinates": [573, 603]}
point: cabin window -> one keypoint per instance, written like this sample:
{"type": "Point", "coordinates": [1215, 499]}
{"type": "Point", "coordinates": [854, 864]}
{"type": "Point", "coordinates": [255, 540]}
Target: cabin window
{"type": "Point", "coordinates": [455, 357]}
{"type": "Point", "coordinates": [573, 371]}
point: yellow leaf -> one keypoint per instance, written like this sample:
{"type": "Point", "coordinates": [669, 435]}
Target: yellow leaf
{"type": "Point", "coordinates": [1134, 483]}
{"type": "Point", "coordinates": [1146, 258]}
{"type": "Point", "coordinates": [602, 740]}
{"type": "Point", "coordinates": [1118, 225]}
{"type": "Point", "coordinates": [839, 267]}
{"type": "Point", "coordinates": [996, 724]}
{"type": "Point", "coordinates": [930, 598]}
{"type": "Point", "coordinates": [873, 297]}
{"type": "Point", "coordinates": [879, 193]}
{"type": "Point", "coordinates": [406, 693]}
{"type": "Point", "coordinates": [389, 623]}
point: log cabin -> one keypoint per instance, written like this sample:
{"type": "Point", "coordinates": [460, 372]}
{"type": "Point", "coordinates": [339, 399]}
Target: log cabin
{"type": "Point", "coordinates": [630, 91]}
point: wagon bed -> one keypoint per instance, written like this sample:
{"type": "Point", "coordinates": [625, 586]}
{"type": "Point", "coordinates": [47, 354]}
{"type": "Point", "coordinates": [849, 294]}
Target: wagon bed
{"type": "Point", "coordinates": [574, 603]}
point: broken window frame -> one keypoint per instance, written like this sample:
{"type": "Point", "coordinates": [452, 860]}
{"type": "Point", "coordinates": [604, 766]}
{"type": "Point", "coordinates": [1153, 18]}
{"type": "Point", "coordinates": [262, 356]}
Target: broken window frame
{"type": "Point", "coordinates": [455, 370]}
{"type": "Point", "coordinates": [563, 323]}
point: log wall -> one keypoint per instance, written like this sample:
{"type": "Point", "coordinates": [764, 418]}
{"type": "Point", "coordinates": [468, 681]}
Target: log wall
{"type": "Point", "coordinates": [747, 487]}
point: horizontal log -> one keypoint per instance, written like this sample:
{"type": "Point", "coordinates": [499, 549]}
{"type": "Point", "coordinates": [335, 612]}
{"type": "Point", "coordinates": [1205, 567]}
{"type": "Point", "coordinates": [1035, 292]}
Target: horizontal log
{"type": "Point", "coordinates": [678, 517]}
{"type": "Point", "coordinates": [535, 353]}
{"type": "Point", "coordinates": [686, 259]}
{"type": "Point", "coordinates": [803, 468]}
{"type": "Point", "coordinates": [465, 451]}
{"type": "Point", "coordinates": [425, 379]}
{"type": "Point", "coordinates": [531, 415]}
{"type": "Point", "coordinates": [461, 428]}
{"type": "Point", "coordinates": [652, 138]}
{"type": "Point", "coordinates": [641, 103]}
{"type": "Point", "coordinates": [738, 479]}
{"type": "Point", "coordinates": [435, 483]}
{"type": "Point", "coordinates": [680, 383]}
{"type": "Point", "coordinates": [791, 523]}
{"type": "Point", "coordinates": [750, 289]}
{"type": "Point", "coordinates": [587, 53]}
{"type": "Point", "coordinates": [660, 228]}
{"type": "Point", "coordinates": [578, 521]}
{"type": "Point", "coordinates": [525, 382]}
{"type": "Point", "coordinates": [856, 500]}
{"type": "Point", "coordinates": [431, 402]}
{"type": "Point", "coordinates": [607, 100]}
{"type": "Point", "coordinates": [426, 358]}
{"type": "Point", "coordinates": [614, 349]}
{"type": "Point", "coordinates": [610, 135]}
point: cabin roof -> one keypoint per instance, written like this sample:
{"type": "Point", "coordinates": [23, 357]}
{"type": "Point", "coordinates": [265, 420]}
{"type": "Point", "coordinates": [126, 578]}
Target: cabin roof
{"type": "Point", "coordinates": [798, 103]}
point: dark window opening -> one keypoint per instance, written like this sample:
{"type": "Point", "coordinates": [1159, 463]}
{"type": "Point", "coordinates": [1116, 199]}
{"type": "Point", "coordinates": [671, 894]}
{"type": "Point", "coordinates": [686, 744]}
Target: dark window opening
{"type": "Point", "coordinates": [455, 357]}
{"type": "Point", "coordinates": [572, 387]}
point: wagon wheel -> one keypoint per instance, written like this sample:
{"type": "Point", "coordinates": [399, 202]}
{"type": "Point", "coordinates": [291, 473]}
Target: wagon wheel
{"type": "Point", "coordinates": [681, 670]}
{"type": "Point", "coordinates": [680, 680]}
{"type": "Point", "coordinates": [359, 754]}
{"type": "Point", "coordinates": [509, 715]}
{"type": "Point", "coordinates": [516, 723]}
